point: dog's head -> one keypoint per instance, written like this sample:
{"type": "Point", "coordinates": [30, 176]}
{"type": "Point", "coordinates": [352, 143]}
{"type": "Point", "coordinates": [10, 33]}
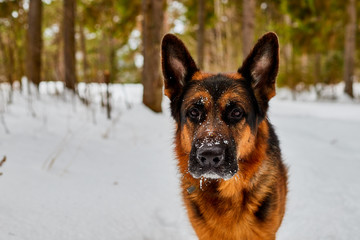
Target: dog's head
{"type": "Point", "coordinates": [218, 115]}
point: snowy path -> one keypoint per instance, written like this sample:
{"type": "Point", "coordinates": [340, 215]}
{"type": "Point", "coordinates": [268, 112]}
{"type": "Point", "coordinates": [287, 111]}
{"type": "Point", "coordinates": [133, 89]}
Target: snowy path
{"type": "Point", "coordinates": [118, 180]}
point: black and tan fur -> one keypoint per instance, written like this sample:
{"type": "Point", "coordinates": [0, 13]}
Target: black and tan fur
{"type": "Point", "coordinates": [233, 179]}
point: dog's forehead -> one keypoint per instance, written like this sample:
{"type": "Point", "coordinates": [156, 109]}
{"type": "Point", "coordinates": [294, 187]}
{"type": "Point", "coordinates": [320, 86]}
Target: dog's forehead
{"type": "Point", "coordinates": [213, 87]}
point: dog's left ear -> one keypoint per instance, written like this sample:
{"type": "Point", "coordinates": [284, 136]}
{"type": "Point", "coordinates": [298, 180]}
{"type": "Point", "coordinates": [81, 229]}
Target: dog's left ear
{"type": "Point", "coordinates": [261, 68]}
{"type": "Point", "coordinates": [177, 65]}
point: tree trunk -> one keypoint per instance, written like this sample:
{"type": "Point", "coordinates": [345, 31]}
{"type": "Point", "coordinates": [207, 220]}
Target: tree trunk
{"type": "Point", "coordinates": [219, 58]}
{"type": "Point", "coordinates": [153, 17]}
{"type": "Point", "coordinates": [112, 60]}
{"type": "Point", "coordinates": [11, 73]}
{"type": "Point", "coordinates": [69, 43]}
{"type": "Point", "coordinates": [248, 26]}
{"type": "Point", "coordinates": [107, 82]}
{"type": "Point", "coordinates": [350, 40]}
{"type": "Point", "coordinates": [201, 33]}
{"type": "Point", "coordinates": [7, 53]}
{"type": "Point", "coordinates": [84, 53]}
{"type": "Point", "coordinates": [34, 47]}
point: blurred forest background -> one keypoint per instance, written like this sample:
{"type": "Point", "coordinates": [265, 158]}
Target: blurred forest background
{"type": "Point", "coordinates": [118, 41]}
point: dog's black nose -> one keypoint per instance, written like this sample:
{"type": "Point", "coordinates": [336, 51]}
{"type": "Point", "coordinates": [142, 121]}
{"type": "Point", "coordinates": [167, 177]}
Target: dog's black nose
{"type": "Point", "coordinates": [210, 156]}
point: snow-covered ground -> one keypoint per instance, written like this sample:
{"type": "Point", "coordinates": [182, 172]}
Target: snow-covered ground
{"type": "Point", "coordinates": [72, 174]}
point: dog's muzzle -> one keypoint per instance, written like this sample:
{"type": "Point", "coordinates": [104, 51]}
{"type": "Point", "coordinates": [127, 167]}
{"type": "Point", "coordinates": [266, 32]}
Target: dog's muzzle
{"type": "Point", "coordinates": [212, 159]}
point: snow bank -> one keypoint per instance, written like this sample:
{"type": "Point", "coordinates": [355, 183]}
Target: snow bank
{"type": "Point", "coordinates": [333, 93]}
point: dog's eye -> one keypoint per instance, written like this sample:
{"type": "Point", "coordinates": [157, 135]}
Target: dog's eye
{"type": "Point", "coordinates": [194, 113]}
{"type": "Point", "coordinates": [235, 114]}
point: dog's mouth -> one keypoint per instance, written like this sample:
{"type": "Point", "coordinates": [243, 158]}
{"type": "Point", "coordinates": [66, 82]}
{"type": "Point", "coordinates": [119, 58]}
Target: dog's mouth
{"type": "Point", "coordinates": [213, 161]}
{"type": "Point", "coordinates": [212, 173]}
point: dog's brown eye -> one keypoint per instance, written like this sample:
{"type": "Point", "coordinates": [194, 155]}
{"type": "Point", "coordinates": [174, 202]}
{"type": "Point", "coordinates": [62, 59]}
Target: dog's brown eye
{"type": "Point", "coordinates": [236, 114]}
{"type": "Point", "coordinates": [194, 113]}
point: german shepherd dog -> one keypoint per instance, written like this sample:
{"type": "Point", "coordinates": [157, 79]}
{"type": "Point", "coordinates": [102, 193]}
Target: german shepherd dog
{"type": "Point", "coordinates": [234, 183]}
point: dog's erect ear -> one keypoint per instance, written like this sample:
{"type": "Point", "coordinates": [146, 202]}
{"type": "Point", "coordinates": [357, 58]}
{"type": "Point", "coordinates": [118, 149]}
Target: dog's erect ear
{"type": "Point", "coordinates": [177, 65]}
{"type": "Point", "coordinates": [261, 67]}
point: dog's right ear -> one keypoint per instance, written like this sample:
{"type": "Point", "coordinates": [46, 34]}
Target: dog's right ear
{"type": "Point", "coordinates": [177, 65]}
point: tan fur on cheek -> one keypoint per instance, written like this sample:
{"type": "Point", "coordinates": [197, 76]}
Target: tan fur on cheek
{"type": "Point", "coordinates": [186, 139]}
{"type": "Point", "coordinates": [246, 144]}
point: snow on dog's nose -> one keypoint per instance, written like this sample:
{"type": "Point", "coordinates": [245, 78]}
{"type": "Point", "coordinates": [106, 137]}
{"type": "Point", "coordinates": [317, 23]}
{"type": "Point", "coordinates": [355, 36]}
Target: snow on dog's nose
{"type": "Point", "coordinates": [213, 157]}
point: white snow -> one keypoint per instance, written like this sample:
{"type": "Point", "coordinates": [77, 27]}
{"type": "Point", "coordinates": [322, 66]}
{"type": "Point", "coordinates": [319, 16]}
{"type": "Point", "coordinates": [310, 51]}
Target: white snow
{"type": "Point", "coordinates": [72, 174]}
